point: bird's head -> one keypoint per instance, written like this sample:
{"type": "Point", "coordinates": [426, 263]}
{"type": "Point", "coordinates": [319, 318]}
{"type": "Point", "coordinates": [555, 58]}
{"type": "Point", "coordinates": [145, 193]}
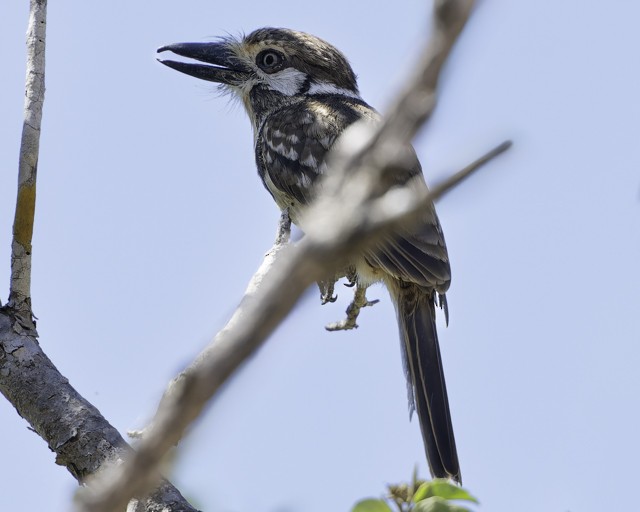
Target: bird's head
{"type": "Point", "coordinates": [268, 68]}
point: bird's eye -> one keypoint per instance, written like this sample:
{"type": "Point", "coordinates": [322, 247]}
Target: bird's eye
{"type": "Point", "coordinates": [270, 61]}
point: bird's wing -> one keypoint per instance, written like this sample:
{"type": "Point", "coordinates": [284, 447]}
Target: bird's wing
{"type": "Point", "coordinates": [418, 255]}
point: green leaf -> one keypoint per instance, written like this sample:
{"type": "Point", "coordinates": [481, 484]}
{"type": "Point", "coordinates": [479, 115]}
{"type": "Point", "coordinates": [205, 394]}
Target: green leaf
{"type": "Point", "coordinates": [437, 504]}
{"type": "Point", "coordinates": [371, 505]}
{"type": "Point", "coordinates": [442, 489]}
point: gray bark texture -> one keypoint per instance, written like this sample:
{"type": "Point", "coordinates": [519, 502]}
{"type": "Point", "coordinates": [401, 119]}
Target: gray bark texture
{"type": "Point", "coordinates": [81, 438]}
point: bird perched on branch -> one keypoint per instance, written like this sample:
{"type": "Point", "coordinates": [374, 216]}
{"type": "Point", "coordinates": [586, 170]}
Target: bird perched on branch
{"type": "Point", "coordinates": [300, 94]}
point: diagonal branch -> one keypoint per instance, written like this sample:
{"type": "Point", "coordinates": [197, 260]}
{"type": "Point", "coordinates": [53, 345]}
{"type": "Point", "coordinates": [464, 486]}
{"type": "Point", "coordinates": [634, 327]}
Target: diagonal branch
{"type": "Point", "coordinates": [343, 229]}
{"type": "Point", "coordinates": [20, 287]}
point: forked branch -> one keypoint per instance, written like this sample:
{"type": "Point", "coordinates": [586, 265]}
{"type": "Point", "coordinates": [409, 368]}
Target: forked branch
{"type": "Point", "coordinates": [80, 436]}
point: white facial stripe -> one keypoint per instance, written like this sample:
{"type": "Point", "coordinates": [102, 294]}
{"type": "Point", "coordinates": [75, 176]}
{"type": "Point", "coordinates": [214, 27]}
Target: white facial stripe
{"type": "Point", "coordinates": [327, 88]}
{"type": "Point", "coordinates": [288, 81]}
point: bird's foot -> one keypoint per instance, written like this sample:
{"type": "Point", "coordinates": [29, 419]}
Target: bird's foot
{"type": "Point", "coordinates": [353, 310]}
{"type": "Point", "coordinates": [327, 286]}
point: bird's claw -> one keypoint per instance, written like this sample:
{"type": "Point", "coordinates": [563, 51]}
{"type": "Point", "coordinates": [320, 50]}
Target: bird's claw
{"type": "Point", "coordinates": [353, 310]}
{"type": "Point", "coordinates": [328, 298]}
{"type": "Point", "coordinates": [352, 277]}
{"type": "Point", "coordinates": [327, 291]}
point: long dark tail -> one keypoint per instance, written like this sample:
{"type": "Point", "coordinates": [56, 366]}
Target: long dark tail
{"type": "Point", "coordinates": [423, 366]}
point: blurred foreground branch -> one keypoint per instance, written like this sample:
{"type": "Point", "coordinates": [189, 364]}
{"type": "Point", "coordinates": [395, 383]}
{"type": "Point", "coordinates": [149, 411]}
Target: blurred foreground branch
{"type": "Point", "coordinates": [352, 216]}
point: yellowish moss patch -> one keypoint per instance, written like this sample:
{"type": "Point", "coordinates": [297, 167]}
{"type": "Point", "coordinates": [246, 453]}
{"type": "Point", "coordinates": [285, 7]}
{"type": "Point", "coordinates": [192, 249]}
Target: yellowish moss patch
{"type": "Point", "coordinates": [25, 209]}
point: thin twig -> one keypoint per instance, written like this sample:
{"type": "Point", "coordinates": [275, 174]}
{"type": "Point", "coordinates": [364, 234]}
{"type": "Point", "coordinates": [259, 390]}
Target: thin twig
{"type": "Point", "coordinates": [389, 211]}
{"type": "Point", "coordinates": [292, 272]}
{"type": "Point", "coordinates": [20, 286]}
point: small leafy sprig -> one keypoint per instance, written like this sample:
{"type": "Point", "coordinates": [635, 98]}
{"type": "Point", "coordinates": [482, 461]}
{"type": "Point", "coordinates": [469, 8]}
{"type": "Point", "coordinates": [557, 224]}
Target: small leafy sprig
{"type": "Point", "coordinates": [419, 496]}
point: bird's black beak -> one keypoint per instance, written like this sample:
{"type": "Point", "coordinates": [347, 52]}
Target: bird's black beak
{"type": "Point", "coordinates": [220, 65]}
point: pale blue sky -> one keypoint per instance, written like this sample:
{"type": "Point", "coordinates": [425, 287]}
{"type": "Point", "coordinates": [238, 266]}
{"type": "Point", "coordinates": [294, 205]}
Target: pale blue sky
{"type": "Point", "coordinates": [151, 219]}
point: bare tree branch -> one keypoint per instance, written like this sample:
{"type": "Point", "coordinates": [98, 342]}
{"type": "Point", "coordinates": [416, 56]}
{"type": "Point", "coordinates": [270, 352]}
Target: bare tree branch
{"type": "Point", "coordinates": [354, 213]}
{"type": "Point", "coordinates": [82, 439]}
{"type": "Point", "coordinates": [73, 428]}
{"type": "Point", "coordinates": [20, 287]}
